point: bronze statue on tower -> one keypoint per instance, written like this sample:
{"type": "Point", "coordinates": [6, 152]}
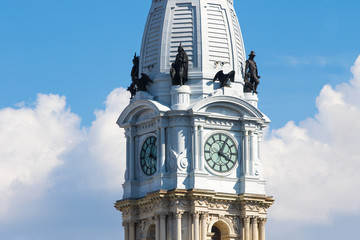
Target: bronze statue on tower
{"type": "Point", "coordinates": [179, 69]}
{"type": "Point", "coordinates": [251, 72]}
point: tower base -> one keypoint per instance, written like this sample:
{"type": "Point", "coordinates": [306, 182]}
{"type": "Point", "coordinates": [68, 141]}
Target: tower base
{"type": "Point", "coordinates": [195, 215]}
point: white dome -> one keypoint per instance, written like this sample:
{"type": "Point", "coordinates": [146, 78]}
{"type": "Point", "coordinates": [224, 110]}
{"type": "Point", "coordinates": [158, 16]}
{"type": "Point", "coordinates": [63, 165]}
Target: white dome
{"type": "Point", "coordinates": [209, 32]}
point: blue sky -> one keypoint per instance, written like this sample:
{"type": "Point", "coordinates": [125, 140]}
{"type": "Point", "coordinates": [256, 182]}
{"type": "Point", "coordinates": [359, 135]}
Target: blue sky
{"type": "Point", "coordinates": [77, 55]}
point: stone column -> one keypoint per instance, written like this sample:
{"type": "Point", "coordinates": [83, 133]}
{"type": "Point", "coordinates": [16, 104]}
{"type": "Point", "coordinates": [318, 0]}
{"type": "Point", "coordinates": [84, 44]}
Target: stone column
{"type": "Point", "coordinates": [196, 149]}
{"type": "Point", "coordinates": [168, 146]}
{"type": "Point", "coordinates": [170, 231]}
{"type": "Point", "coordinates": [162, 227]}
{"type": "Point", "coordinates": [247, 227]}
{"type": "Point", "coordinates": [190, 226]}
{"type": "Point", "coordinates": [203, 219]}
{"type": "Point", "coordinates": [132, 230]}
{"type": "Point", "coordinates": [246, 152]}
{"type": "Point", "coordinates": [158, 146]}
{"type": "Point", "coordinates": [259, 140]}
{"type": "Point", "coordinates": [201, 148]}
{"type": "Point", "coordinates": [196, 226]}
{"type": "Point", "coordinates": [126, 230]}
{"type": "Point", "coordinates": [127, 158]}
{"type": "Point", "coordinates": [178, 225]}
{"type": "Point", "coordinates": [132, 158]}
{"type": "Point", "coordinates": [253, 150]}
{"type": "Point", "coordinates": [162, 150]}
{"type": "Point", "coordinates": [157, 233]}
{"type": "Point", "coordinates": [255, 230]}
{"type": "Point", "coordinates": [262, 228]}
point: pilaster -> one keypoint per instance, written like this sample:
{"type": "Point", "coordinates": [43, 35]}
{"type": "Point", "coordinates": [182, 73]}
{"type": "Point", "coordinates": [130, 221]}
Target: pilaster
{"type": "Point", "coordinates": [162, 226]}
{"type": "Point", "coordinates": [131, 230]}
{"type": "Point", "coordinates": [126, 230]}
{"type": "Point", "coordinates": [157, 223]}
{"type": "Point", "coordinates": [178, 224]}
{"type": "Point", "coordinates": [203, 218]}
{"type": "Point", "coordinates": [196, 216]}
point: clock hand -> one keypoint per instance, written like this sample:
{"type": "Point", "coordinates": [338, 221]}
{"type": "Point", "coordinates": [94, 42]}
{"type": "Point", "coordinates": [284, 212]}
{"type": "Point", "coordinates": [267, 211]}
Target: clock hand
{"type": "Point", "coordinates": [225, 156]}
{"type": "Point", "coordinates": [223, 146]}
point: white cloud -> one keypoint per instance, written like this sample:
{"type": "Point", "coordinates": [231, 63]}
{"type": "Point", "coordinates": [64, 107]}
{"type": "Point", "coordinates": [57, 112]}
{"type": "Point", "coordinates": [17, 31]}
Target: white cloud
{"type": "Point", "coordinates": [32, 141]}
{"type": "Point", "coordinates": [36, 141]}
{"type": "Point", "coordinates": [107, 143]}
{"type": "Point", "coordinates": [312, 168]}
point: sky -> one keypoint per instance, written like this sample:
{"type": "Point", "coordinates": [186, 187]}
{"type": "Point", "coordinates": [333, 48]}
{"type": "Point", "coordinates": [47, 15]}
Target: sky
{"type": "Point", "coordinates": [64, 67]}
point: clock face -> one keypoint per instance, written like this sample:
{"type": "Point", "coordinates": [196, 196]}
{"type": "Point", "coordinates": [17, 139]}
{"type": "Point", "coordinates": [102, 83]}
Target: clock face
{"type": "Point", "coordinates": [148, 156]}
{"type": "Point", "coordinates": [220, 153]}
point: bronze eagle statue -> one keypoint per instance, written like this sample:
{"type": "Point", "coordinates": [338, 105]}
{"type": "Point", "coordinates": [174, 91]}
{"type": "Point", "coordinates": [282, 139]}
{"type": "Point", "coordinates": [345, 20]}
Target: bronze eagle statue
{"type": "Point", "coordinates": [224, 79]}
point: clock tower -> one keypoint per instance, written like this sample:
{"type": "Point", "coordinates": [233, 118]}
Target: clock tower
{"type": "Point", "coordinates": [193, 168]}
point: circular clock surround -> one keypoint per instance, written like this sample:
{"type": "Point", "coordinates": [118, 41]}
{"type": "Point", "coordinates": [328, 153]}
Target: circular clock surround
{"type": "Point", "coordinates": [148, 156]}
{"type": "Point", "coordinates": [220, 152]}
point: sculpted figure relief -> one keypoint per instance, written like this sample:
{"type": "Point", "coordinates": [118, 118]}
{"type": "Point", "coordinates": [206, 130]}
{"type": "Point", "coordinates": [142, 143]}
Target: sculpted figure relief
{"type": "Point", "coordinates": [135, 68]}
{"type": "Point", "coordinates": [251, 72]}
{"type": "Point", "coordinates": [142, 82]}
{"type": "Point", "coordinates": [179, 69]}
{"type": "Point", "coordinates": [224, 79]}
{"type": "Point", "coordinates": [134, 74]}
{"type": "Point", "coordinates": [138, 84]}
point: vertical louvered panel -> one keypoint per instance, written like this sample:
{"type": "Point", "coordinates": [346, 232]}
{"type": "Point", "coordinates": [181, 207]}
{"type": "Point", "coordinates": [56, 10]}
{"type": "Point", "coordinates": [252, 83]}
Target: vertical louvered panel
{"type": "Point", "coordinates": [218, 35]}
{"type": "Point", "coordinates": [152, 44]}
{"type": "Point", "coordinates": [239, 41]}
{"type": "Point", "coordinates": [182, 31]}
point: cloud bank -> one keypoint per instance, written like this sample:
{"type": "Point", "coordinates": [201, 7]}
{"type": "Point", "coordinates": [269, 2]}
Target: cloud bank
{"type": "Point", "coordinates": [312, 167]}
{"type": "Point", "coordinates": [39, 139]}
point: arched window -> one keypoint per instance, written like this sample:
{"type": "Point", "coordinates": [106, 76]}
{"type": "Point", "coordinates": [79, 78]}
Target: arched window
{"type": "Point", "coordinates": [151, 233]}
{"type": "Point", "coordinates": [217, 233]}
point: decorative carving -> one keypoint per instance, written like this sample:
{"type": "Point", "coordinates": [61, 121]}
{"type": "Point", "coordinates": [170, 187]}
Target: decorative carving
{"type": "Point", "coordinates": [184, 163]}
{"type": "Point", "coordinates": [178, 119]}
{"type": "Point", "coordinates": [251, 72]}
{"type": "Point", "coordinates": [134, 75]}
{"type": "Point", "coordinates": [179, 214]}
{"type": "Point", "coordinates": [135, 69]}
{"type": "Point", "coordinates": [262, 221]}
{"type": "Point", "coordinates": [179, 69]}
{"type": "Point", "coordinates": [132, 89]}
{"type": "Point", "coordinates": [262, 210]}
{"type": "Point", "coordinates": [224, 79]}
{"type": "Point", "coordinates": [142, 225]}
{"type": "Point", "coordinates": [142, 82]}
{"type": "Point", "coordinates": [179, 160]}
{"type": "Point", "coordinates": [236, 224]}
{"type": "Point", "coordinates": [211, 219]}
{"type": "Point", "coordinates": [220, 123]}
{"type": "Point", "coordinates": [246, 219]}
{"type": "Point", "coordinates": [204, 215]}
{"type": "Point", "coordinates": [138, 84]}
{"type": "Point", "coordinates": [248, 87]}
{"type": "Point", "coordinates": [209, 209]}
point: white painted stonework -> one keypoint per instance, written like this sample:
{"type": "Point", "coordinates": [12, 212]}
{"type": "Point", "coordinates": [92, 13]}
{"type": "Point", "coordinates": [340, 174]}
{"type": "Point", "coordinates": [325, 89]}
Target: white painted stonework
{"type": "Point", "coordinates": [186, 198]}
{"type": "Point", "coordinates": [181, 136]}
{"type": "Point", "coordinates": [210, 33]}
